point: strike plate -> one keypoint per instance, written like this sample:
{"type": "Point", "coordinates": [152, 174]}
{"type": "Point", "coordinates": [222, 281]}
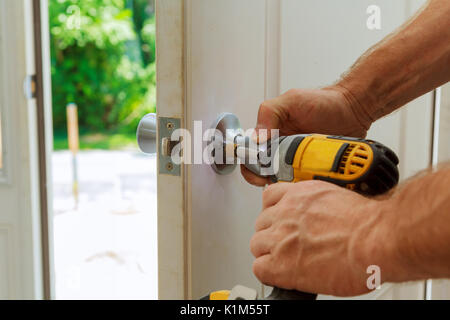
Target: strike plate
{"type": "Point", "coordinates": [166, 126]}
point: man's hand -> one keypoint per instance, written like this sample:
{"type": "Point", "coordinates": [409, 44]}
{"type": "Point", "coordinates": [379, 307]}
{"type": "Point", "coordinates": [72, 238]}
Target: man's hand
{"type": "Point", "coordinates": [317, 237]}
{"type": "Point", "coordinates": [330, 110]}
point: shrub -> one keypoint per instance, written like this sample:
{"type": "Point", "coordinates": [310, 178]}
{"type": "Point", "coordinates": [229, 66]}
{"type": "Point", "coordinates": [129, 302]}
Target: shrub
{"type": "Point", "coordinates": [102, 59]}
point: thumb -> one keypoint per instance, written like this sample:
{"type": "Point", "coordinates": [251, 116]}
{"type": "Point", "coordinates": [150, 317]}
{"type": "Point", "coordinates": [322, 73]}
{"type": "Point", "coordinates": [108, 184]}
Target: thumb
{"type": "Point", "coordinates": [267, 120]}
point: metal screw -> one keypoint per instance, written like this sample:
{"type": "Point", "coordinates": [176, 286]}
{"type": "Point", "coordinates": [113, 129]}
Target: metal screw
{"type": "Point", "coordinates": [169, 125]}
{"type": "Point", "coordinates": [169, 166]}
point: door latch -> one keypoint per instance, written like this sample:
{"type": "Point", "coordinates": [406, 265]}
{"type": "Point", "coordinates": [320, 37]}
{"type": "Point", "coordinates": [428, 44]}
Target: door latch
{"type": "Point", "coordinates": [166, 127]}
{"type": "Point", "coordinates": [146, 137]}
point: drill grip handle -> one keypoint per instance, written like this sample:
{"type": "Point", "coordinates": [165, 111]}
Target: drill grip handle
{"type": "Point", "coordinates": [284, 294]}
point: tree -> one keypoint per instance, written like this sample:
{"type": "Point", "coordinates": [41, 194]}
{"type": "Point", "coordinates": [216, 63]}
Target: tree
{"type": "Point", "coordinates": [103, 60]}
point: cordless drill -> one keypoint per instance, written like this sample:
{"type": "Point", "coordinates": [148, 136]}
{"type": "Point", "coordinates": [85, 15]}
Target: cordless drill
{"type": "Point", "coordinates": [364, 166]}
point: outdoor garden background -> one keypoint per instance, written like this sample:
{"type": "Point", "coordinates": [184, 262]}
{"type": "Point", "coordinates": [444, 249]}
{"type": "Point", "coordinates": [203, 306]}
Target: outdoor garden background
{"type": "Point", "coordinates": [103, 60]}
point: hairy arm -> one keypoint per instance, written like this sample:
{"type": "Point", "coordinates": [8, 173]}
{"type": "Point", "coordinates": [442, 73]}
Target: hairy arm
{"type": "Point", "coordinates": [405, 65]}
{"type": "Point", "coordinates": [412, 238]}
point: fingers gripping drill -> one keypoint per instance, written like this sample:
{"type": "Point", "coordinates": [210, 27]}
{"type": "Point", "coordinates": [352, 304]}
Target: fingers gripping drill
{"type": "Point", "coordinates": [364, 166]}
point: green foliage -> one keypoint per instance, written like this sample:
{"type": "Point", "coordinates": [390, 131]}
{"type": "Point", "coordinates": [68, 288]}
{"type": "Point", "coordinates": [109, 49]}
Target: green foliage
{"type": "Point", "coordinates": [107, 140]}
{"type": "Point", "coordinates": [103, 59]}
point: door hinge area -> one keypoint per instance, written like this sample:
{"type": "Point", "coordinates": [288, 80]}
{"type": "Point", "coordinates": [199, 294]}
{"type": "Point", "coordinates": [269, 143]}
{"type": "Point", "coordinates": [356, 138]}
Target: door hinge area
{"type": "Point", "coordinates": [30, 86]}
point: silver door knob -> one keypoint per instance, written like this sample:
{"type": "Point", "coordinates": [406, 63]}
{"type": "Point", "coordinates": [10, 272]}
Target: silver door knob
{"type": "Point", "coordinates": [146, 133]}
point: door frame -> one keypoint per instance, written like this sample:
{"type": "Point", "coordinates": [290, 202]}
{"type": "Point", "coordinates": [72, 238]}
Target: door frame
{"type": "Point", "coordinates": [45, 139]}
{"type": "Point", "coordinates": [172, 191]}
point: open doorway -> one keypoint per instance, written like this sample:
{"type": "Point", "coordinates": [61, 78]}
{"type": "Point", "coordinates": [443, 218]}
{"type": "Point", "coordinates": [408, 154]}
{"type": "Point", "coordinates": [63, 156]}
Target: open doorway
{"type": "Point", "coordinates": [104, 189]}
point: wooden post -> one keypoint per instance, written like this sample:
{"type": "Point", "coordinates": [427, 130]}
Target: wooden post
{"type": "Point", "coordinates": [74, 145]}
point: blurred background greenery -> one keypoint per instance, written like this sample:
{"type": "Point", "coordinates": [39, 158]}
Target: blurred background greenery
{"type": "Point", "coordinates": [102, 59]}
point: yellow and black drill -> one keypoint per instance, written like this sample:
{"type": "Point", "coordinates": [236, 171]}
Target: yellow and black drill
{"type": "Point", "coordinates": [364, 166]}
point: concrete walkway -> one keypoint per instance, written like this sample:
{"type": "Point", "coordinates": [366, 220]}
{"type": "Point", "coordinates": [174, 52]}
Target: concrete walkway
{"type": "Point", "coordinates": [106, 248]}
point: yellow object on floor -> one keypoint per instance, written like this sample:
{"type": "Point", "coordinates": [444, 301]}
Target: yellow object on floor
{"type": "Point", "coordinates": [219, 295]}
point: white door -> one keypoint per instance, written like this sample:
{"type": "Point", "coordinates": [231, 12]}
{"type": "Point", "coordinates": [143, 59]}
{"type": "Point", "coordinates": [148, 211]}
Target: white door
{"type": "Point", "coordinates": [21, 262]}
{"type": "Point", "coordinates": [440, 289]}
{"type": "Point", "coordinates": [219, 56]}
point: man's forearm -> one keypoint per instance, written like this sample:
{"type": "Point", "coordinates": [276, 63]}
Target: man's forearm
{"type": "Point", "coordinates": [408, 63]}
{"type": "Point", "coordinates": [414, 235]}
